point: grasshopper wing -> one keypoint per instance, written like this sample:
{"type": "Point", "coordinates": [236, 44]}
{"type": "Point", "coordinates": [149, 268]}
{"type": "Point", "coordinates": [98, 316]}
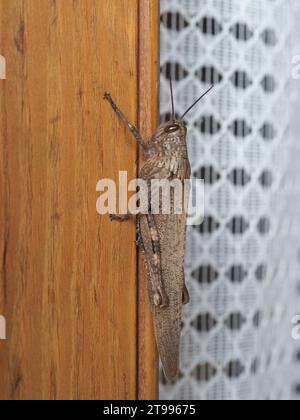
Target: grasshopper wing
{"type": "Point", "coordinates": [167, 320]}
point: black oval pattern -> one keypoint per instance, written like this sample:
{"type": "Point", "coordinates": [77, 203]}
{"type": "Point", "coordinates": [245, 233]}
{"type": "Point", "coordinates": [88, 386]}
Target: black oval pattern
{"type": "Point", "coordinates": [174, 21]}
{"type": "Point", "coordinates": [204, 323]}
{"type": "Point", "coordinates": [255, 366]}
{"type": "Point", "coordinates": [210, 75]}
{"type": "Point", "coordinates": [208, 125]}
{"type": "Point", "coordinates": [268, 131]}
{"type": "Point", "coordinates": [209, 26]}
{"type": "Point", "coordinates": [209, 225]}
{"type": "Point", "coordinates": [235, 321]}
{"type": "Point", "coordinates": [204, 372]}
{"type": "Point", "coordinates": [268, 83]}
{"type": "Point", "coordinates": [234, 369]}
{"type": "Point", "coordinates": [208, 174]}
{"type": "Point", "coordinates": [257, 319]}
{"type": "Point", "coordinates": [240, 128]}
{"type": "Point", "coordinates": [238, 225]}
{"type": "Point", "coordinates": [236, 274]}
{"type": "Point", "coordinates": [266, 179]}
{"type": "Point", "coordinates": [264, 226]}
{"type": "Point", "coordinates": [239, 177]}
{"type": "Point", "coordinates": [174, 71]}
{"type": "Point", "coordinates": [241, 32]}
{"type": "Point", "coordinates": [168, 116]}
{"type": "Point", "coordinates": [261, 272]}
{"type": "Point", "coordinates": [241, 80]}
{"type": "Point", "coordinates": [269, 37]}
{"type": "Point", "coordinates": [205, 275]}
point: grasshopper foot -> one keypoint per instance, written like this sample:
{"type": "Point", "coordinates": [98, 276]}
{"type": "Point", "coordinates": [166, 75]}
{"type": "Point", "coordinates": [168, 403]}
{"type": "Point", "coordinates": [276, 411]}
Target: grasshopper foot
{"type": "Point", "coordinates": [123, 218]}
{"type": "Point", "coordinates": [107, 96]}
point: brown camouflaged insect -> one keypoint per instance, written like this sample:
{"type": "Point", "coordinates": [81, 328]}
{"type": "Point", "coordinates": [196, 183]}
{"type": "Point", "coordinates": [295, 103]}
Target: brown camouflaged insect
{"type": "Point", "coordinates": [163, 236]}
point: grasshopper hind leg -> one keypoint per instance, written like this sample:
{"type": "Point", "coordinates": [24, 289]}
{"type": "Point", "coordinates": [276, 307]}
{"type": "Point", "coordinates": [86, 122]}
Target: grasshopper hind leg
{"type": "Point", "coordinates": [151, 246]}
{"type": "Point", "coordinates": [160, 297]}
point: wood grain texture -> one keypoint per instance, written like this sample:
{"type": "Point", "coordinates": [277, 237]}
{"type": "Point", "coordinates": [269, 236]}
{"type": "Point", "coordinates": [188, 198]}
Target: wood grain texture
{"type": "Point", "coordinates": [148, 121]}
{"type": "Point", "coordinates": [68, 284]}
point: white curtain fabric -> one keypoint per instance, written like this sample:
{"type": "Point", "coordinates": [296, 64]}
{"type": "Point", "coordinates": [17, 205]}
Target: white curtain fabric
{"type": "Point", "coordinates": [243, 263]}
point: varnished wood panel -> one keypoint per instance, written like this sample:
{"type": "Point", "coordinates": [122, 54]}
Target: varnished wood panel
{"type": "Point", "coordinates": [68, 284]}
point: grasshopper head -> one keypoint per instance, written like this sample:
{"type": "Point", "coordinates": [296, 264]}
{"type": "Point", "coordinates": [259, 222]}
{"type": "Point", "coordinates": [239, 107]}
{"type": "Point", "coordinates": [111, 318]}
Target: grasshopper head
{"type": "Point", "coordinates": [174, 127]}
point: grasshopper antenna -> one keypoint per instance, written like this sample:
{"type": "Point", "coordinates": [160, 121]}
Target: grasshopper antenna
{"type": "Point", "coordinates": [195, 103]}
{"type": "Point", "coordinates": [172, 98]}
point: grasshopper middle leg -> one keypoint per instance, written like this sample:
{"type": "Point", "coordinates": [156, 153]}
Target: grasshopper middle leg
{"type": "Point", "coordinates": [121, 218]}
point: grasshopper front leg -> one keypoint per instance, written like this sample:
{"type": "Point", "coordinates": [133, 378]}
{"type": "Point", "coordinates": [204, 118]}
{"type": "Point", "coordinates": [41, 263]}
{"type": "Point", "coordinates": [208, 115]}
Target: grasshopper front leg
{"type": "Point", "coordinates": [120, 114]}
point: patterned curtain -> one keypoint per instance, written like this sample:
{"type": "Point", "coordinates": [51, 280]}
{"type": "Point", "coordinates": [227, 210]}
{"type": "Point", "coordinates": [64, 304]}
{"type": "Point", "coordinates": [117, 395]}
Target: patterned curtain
{"type": "Point", "coordinates": [243, 262]}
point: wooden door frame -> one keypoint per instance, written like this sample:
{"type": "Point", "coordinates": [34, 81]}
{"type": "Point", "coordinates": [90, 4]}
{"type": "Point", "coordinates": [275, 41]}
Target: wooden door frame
{"type": "Point", "coordinates": [148, 117]}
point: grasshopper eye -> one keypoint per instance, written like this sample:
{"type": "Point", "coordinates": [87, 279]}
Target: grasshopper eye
{"type": "Point", "coordinates": [172, 128]}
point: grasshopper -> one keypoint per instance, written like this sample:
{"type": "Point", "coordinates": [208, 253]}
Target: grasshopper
{"type": "Point", "coordinates": [163, 236]}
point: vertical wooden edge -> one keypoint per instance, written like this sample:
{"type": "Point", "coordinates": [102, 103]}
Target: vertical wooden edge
{"type": "Point", "coordinates": [2, 223]}
{"type": "Point", "coordinates": [148, 117]}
